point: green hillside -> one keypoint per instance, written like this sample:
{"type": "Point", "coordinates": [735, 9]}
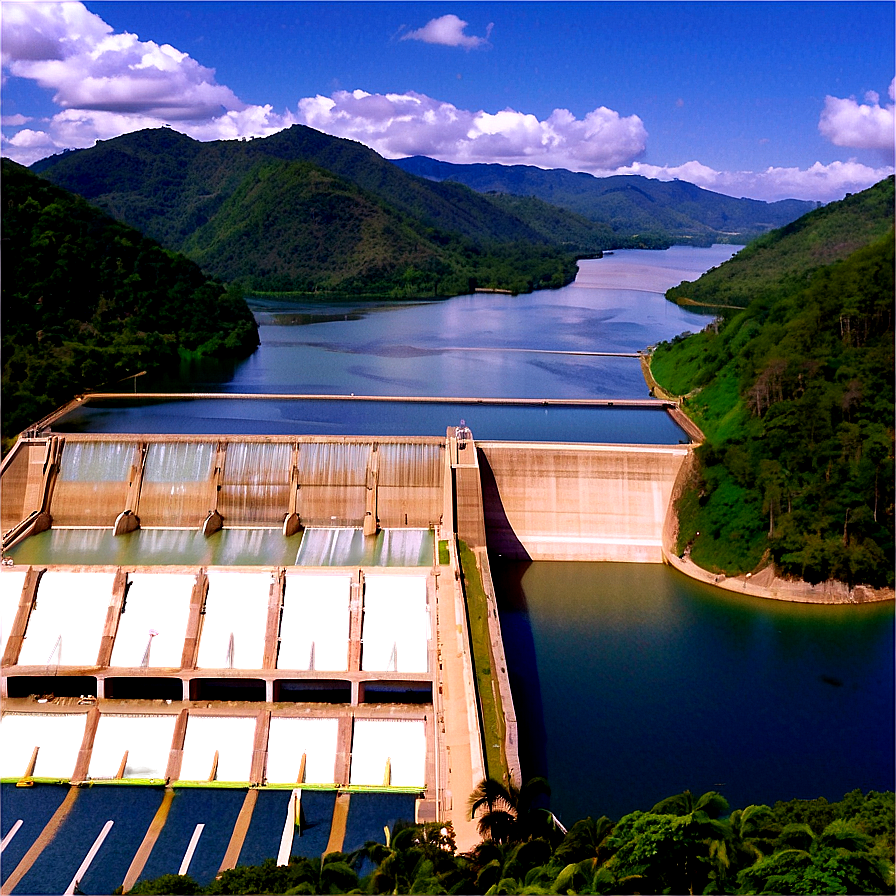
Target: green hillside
{"type": "Point", "coordinates": [795, 396]}
{"type": "Point", "coordinates": [87, 301]}
{"type": "Point", "coordinates": [302, 211]}
{"type": "Point", "coordinates": [639, 211]}
{"type": "Point", "coordinates": [784, 260]}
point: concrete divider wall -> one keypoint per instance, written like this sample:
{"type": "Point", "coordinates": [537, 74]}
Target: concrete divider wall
{"type": "Point", "coordinates": [577, 502]}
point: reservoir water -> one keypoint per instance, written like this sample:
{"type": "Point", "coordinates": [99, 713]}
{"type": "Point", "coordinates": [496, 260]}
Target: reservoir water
{"type": "Point", "coordinates": [631, 682]}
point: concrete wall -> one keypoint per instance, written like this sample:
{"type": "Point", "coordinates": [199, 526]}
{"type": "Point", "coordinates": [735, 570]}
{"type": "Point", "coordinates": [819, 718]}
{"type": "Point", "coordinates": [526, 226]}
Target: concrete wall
{"type": "Point", "coordinates": [577, 502]}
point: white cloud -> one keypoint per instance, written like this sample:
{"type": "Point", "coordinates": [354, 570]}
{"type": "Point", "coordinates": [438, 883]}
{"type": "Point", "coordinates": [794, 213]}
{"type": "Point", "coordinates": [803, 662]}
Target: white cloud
{"type": "Point", "coordinates": [867, 125]}
{"type": "Point", "coordinates": [823, 183]}
{"type": "Point", "coordinates": [411, 123]}
{"type": "Point", "coordinates": [449, 31]}
{"type": "Point", "coordinates": [109, 84]}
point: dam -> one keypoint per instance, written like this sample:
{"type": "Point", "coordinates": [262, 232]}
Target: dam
{"type": "Point", "coordinates": [324, 655]}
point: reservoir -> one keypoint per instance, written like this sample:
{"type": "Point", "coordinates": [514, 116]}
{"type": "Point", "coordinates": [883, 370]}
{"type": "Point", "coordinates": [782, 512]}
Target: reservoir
{"type": "Point", "coordinates": [630, 681]}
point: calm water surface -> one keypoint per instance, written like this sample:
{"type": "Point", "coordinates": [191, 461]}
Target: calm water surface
{"type": "Point", "coordinates": [632, 683]}
{"type": "Point", "coordinates": [481, 346]}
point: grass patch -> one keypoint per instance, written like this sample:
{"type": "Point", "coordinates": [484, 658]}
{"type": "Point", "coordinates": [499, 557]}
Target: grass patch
{"type": "Point", "coordinates": [444, 556]}
{"type": "Point", "coordinates": [490, 709]}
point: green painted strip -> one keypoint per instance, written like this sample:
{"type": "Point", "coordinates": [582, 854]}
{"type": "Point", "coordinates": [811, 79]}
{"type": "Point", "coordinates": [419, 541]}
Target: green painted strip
{"type": "Point", "coordinates": [219, 785]}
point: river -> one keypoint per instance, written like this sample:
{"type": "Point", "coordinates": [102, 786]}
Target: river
{"type": "Point", "coordinates": [631, 682]}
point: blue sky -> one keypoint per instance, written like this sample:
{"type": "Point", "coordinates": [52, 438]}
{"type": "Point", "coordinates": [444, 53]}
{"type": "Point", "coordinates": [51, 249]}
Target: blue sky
{"type": "Point", "coordinates": [767, 99]}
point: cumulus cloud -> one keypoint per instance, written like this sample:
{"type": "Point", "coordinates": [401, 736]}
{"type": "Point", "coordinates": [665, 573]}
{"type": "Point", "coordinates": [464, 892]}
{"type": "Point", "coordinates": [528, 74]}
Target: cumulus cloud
{"type": "Point", "coordinates": [109, 84]}
{"type": "Point", "coordinates": [823, 183]}
{"type": "Point", "coordinates": [411, 123]}
{"type": "Point", "coordinates": [868, 125]}
{"type": "Point", "coordinates": [449, 31]}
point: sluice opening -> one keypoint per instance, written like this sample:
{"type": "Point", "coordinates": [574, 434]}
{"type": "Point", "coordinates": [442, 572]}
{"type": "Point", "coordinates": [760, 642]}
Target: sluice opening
{"type": "Point", "coordinates": [396, 692]}
{"type": "Point", "coordinates": [144, 688]}
{"type": "Point", "coordinates": [319, 690]}
{"type": "Point", "coordinates": [251, 690]}
{"type": "Point", "coordinates": [52, 686]}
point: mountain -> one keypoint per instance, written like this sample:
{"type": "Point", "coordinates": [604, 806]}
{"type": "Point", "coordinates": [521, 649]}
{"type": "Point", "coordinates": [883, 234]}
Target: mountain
{"type": "Point", "coordinates": [304, 211]}
{"type": "Point", "coordinates": [794, 393]}
{"type": "Point", "coordinates": [88, 300]}
{"type": "Point", "coordinates": [636, 208]}
{"type": "Point", "coordinates": [783, 260]}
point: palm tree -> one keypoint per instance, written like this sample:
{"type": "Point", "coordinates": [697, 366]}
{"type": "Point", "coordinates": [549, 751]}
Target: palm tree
{"type": "Point", "coordinates": [511, 814]}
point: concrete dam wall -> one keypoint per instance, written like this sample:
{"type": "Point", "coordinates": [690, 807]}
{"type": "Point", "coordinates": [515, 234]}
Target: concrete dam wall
{"type": "Point", "coordinates": [577, 502]}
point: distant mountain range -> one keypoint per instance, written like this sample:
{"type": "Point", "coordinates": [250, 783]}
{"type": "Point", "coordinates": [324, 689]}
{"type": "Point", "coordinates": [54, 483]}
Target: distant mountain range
{"type": "Point", "coordinates": [303, 211]}
{"type": "Point", "coordinates": [629, 204]}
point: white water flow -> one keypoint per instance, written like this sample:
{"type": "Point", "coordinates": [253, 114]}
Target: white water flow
{"type": "Point", "coordinates": [153, 623]}
{"type": "Point", "coordinates": [92, 483]}
{"type": "Point", "coordinates": [66, 625]}
{"type": "Point", "coordinates": [146, 740]}
{"type": "Point", "coordinates": [409, 484]}
{"type": "Point", "coordinates": [12, 581]}
{"type": "Point", "coordinates": [234, 621]}
{"type": "Point", "coordinates": [333, 483]}
{"type": "Point", "coordinates": [314, 626]}
{"type": "Point", "coordinates": [406, 547]}
{"type": "Point", "coordinates": [231, 738]}
{"type": "Point", "coordinates": [396, 627]}
{"type": "Point", "coordinates": [398, 745]}
{"type": "Point", "coordinates": [332, 547]}
{"type": "Point", "coordinates": [58, 739]}
{"type": "Point", "coordinates": [96, 461]}
{"type": "Point", "coordinates": [255, 491]}
{"type": "Point", "coordinates": [178, 489]}
{"type": "Point", "coordinates": [290, 738]}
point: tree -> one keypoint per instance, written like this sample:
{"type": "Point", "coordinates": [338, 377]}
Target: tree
{"type": "Point", "coordinates": [511, 814]}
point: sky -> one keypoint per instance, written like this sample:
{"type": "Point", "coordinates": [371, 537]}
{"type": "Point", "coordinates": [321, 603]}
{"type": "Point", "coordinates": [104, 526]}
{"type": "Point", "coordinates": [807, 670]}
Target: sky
{"type": "Point", "coordinates": [768, 100]}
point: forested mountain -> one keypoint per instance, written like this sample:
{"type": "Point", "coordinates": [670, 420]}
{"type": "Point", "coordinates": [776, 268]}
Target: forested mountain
{"type": "Point", "coordinates": [641, 212]}
{"type": "Point", "coordinates": [303, 211]}
{"type": "Point", "coordinates": [87, 301]}
{"type": "Point", "coordinates": [795, 395]}
{"type": "Point", "coordinates": [784, 260]}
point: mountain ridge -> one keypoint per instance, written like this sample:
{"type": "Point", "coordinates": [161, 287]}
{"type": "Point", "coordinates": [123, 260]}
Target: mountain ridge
{"type": "Point", "coordinates": [413, 236]}
{"type": "Point", "coordinates": [619, 200]}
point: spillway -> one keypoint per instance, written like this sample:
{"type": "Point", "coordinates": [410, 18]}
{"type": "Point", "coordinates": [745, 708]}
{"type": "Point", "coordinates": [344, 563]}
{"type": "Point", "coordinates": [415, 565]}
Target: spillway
{"type": "Point", "coordinates": [277, 612]}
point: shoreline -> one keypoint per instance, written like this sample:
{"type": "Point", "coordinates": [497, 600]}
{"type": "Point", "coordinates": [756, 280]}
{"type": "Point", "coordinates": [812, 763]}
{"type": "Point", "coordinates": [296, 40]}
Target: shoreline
{"type": "Point", "coordinates": [765, 583]}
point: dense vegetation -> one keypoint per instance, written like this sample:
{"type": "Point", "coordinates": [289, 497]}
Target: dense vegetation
{"type": "Point", "coordinates": [639, 212]}
{"type": "Point", "coordinates": [684, 844]}
{"type": "Point", "coordinates": [795, 396]}
{"type": "Point", "coordinates": [781, 262]}
{"type": "Point", "coordinates": [300, 211]}
{"type": "Point", "coordinates": [88, 301]}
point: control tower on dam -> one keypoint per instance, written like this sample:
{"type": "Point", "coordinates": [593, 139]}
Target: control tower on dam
{"type": "Point", "coordinates": [278, 615]}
